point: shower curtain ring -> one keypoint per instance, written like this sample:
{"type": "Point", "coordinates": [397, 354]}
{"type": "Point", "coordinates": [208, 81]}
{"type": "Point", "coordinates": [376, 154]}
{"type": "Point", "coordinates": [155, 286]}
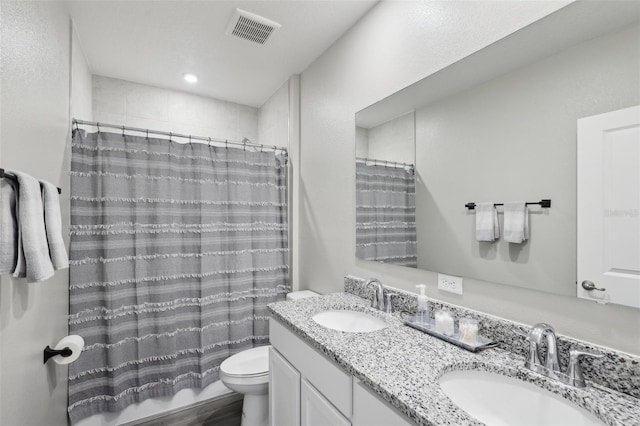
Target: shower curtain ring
{"type": "Point", "coordinates": [226, 144]}
{"type": "Point", "coordinates": [147, 133]}
{"type": "Point", "coordinates": [170, 136]}
{"type": "Point", "coordinates": [98, 126]}
{"type": "Point", "coordinates": [123, 131]}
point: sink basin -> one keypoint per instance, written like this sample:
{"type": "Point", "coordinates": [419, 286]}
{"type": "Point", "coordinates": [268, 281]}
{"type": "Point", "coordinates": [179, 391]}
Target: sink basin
{"type": "Point", "coordinates": [350, 321]}
{"type": "Point", "coordinates": [495, 399]}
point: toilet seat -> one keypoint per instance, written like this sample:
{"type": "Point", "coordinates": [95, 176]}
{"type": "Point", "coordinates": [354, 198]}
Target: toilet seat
{"type": "Point", "coordinates": [249, 366]}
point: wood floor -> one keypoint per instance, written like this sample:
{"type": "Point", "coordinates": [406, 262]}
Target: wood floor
{"type": "Point", "coordinates": [224, 411]}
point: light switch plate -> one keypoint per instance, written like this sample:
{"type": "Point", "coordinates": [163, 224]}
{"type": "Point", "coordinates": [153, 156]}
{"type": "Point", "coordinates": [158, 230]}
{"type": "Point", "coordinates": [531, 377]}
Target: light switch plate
{"type": "Point", "coordinates": [450, 283]}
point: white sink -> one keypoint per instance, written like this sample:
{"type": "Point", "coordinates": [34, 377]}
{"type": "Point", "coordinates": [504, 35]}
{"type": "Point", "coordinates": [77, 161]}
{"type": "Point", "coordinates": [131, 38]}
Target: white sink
{"type": "Point", "coordinates": [495, 399]}
{"type": "Point", "coordinates": [351, 321]}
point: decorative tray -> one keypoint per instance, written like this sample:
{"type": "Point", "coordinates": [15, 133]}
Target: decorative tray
{"type": "Point", "coordinates": [481, 342]}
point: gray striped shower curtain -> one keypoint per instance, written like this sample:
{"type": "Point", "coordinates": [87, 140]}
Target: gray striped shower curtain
{"type": "Point", "coordinates": [176, 250]}
{"type": "Point", "coordinates": [386, 214]}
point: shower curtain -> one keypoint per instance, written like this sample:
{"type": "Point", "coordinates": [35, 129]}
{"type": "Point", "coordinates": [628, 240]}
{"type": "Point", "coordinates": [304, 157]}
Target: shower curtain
{"type": "Point", "coordinates": [176, 250]}
{"type": "Point", "coordinates": [386, 214]}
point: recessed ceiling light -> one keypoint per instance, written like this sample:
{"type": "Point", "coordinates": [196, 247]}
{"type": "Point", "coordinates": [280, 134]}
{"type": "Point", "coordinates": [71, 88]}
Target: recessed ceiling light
{"type": "Point", "coordinates": [191, 78]}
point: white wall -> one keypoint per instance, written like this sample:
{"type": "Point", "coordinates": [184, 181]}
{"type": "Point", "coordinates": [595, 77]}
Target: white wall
{"type": "Point", "coordinates": [81, 84]}
{"type": "Point", "coordinates": [393, 140]}
{"type": "Point", "coordinates": [139, 105]}
{"type": "Point", "coordinates": [34, 135]}
{"type": "Point", "coordinates": [273, 119]}
{"type": "Point", "coordinates": [404, 42]}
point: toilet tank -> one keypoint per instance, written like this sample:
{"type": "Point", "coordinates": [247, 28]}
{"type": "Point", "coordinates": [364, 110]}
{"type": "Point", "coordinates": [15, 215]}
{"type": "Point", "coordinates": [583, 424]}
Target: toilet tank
{"type": "Point", "coordinates": [303, 294]}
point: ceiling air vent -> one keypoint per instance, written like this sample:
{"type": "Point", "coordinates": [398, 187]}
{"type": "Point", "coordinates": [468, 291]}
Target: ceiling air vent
{"type": "Point", "coordinates": [250, 26]}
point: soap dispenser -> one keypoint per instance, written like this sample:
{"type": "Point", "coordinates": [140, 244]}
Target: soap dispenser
{"type": "Point", "coordinates": [422, 312]}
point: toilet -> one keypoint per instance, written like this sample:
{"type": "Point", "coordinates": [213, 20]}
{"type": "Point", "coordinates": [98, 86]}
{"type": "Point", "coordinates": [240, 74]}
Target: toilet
{"type": "Point", "coordinates": [247, 373]}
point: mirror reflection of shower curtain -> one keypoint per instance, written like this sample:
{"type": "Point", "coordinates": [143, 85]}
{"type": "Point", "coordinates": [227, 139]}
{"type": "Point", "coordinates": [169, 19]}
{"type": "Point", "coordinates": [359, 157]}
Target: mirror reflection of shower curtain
{"type": "Point", "coordinates": [386, 214]}
{"type": "Point", "coordinates": [176, 250]}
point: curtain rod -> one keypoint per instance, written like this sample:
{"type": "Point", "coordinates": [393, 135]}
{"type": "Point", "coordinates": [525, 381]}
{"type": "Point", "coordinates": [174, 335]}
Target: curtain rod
{"type": "Point", "coordinates": [244, 143]}
{"type": "Point", "coordinates": [383, 162]}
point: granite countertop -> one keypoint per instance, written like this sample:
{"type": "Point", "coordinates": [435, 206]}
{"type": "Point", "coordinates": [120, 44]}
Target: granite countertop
{"type": "Point", "coordinates": [402, 365]}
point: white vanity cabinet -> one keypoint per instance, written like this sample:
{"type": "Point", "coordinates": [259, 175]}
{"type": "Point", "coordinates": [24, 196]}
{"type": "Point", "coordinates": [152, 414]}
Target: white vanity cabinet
{"type": "Point", "coordinates": [284, 391]}
{"type": "Point", "coordinates": [316, 410]}
{"type": "Point", "coordinates": [307, 389]}
{"type": "Point", "coordinates": [370, 410]}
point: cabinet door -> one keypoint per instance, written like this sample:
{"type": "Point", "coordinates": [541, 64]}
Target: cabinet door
{"type": "Point", "coordinates": [284, 391]}
{"type": "Point", "coordinates": [317, 411]}
{"type": "Point", "coordinates": [371, 410]}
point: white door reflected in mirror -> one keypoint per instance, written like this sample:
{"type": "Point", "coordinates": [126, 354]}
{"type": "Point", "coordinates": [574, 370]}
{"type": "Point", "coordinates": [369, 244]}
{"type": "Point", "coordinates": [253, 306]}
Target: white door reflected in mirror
{"type": "Point", "coordinates": [609, 207]}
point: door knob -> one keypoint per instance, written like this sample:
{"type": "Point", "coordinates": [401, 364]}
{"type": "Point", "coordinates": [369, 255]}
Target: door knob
{"type": "Point", "coordinates": [589, 286]}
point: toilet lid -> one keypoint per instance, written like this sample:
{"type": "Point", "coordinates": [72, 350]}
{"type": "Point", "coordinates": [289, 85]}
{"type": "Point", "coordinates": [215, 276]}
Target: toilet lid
{"type": "Point", "coordinates": [252, 362]}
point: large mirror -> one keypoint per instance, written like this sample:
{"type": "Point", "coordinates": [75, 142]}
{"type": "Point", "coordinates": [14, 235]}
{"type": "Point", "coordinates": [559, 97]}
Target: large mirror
{"type": "Point", "coordinates": [498, 126]}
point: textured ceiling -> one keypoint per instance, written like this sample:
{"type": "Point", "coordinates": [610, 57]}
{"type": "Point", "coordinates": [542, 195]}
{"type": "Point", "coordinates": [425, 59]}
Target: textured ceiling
{"type": "Point", "coordinates": [156, 42]}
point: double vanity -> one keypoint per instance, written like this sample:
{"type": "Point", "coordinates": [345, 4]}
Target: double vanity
{"type": "Point", "coordinates": [337, 360]}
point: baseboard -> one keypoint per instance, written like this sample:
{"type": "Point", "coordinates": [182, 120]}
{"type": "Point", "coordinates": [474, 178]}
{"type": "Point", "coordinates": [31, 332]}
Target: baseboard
{"type": "Point", "coordinates": [194, 414]}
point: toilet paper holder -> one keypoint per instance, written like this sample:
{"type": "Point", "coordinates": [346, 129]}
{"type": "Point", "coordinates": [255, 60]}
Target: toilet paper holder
{"type": "Point", "coordinates": [69, 348]}
{"type": "Point", "coordinates": [48, 353]}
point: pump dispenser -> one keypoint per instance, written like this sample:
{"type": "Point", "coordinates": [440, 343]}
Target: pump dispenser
{"type": "Point", "coordinates": [422, 312]}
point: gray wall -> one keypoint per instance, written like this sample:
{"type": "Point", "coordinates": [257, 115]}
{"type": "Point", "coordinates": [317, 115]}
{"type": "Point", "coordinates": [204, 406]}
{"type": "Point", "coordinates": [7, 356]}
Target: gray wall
{"type": "Point", "coordinates": [514, 138]}
{"type": "Point", "coordinates": [393, 140]}
{"type": "Point", "coordinates": [393, 46]}
{"type": "Point", "coordinates": [35, 88]}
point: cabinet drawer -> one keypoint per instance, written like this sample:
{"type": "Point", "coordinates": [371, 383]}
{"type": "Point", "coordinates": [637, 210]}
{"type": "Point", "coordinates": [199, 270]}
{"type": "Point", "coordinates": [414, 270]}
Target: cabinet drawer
{"type": "Point", "coordinates": [329, 379]}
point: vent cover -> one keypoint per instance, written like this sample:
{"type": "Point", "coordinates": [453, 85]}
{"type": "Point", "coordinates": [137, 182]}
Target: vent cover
{"type": "Point", "coordinates": [252, 27]}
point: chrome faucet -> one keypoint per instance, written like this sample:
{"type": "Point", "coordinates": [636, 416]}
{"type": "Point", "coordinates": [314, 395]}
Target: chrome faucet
{"type": "Point", "coordinates": [551, 368]}
{"type": "Point", "coordinates": [378, 295]}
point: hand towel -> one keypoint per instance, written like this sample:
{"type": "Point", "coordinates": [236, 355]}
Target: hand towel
{"type": "Point", "coordinates": [487, 228]}
{"type": "Point", "coordinates": [8, 227]}
{"type": "Point", "coordinates": [31, 229]}
{"type": "Point", "coordinates": [53, 226]}
{"type": "Point", "coordinates": [516, 222]}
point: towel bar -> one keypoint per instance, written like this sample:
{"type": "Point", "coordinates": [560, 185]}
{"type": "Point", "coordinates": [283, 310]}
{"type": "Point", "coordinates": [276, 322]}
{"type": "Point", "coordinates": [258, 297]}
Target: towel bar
{"type": "Point", "coordinates": [13, 178]}
{"type": "Point", "coordinates": [546, 203]}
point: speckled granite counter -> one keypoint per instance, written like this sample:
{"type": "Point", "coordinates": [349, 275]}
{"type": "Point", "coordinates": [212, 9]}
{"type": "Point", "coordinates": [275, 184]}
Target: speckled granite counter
{"type": "Point", "coordinates": [403, 365]}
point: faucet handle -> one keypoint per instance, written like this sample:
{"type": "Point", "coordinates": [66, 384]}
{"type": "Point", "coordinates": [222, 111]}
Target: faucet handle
{"type": "Point", "coordinates": [574, 371]}
{"type": "Point", "coordinates": [387, 302]}
{"type": "Point", "coordinates": [532, 358]}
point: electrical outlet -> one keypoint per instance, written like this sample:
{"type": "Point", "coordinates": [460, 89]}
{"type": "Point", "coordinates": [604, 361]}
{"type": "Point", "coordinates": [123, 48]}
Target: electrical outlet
{"type": "Point", "coordinates": [450, 283]}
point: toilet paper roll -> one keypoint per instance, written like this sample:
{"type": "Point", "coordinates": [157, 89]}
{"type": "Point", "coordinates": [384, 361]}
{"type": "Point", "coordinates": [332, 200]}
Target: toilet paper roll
{"type": "Point", "coordinates": [73, 342]}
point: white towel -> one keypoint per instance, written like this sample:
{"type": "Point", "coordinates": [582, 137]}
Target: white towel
{"type": "Point", "coordinates": [487, 228]}
{"type": "Point", "coordinates": [53, 225]}
{"type": "Point", "coordinates": [33, 237]}
{"type": "Point", "coordinates": [516, 222]}
{"type": "Point", "coordinates": [8, 227]}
